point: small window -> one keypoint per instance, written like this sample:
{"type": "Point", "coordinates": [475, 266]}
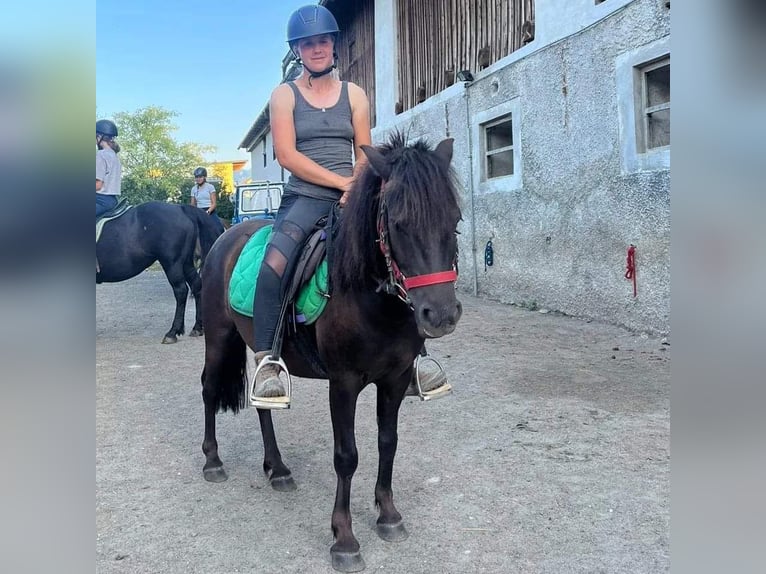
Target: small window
{"type": "Point", "coordinates": [655, 106]}
{"type": "Point", "coordinates": [643, 104]}
{"type": "Point", "coordinates": [264, 153]}
{"type": "Point", "coordinates": [498, 139]}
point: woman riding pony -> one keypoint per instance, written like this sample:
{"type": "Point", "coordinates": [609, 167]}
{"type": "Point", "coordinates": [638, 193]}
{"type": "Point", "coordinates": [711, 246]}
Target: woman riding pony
{"type": "Point", "coordinates": [108, 167]}
{"type": "Point", "coordinates": [319, 125]}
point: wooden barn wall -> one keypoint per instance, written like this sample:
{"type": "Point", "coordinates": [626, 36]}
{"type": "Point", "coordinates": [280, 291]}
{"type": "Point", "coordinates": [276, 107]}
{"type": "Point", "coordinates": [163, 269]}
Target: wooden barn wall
{"type": "Point", "coordinates": [438, 38]}
{"type": "Point", "coordinates": [356, 45]}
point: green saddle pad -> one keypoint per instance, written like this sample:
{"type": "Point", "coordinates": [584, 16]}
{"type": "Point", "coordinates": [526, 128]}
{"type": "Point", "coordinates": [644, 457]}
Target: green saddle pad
{"type": "Point", "coordinates": [310, 302]}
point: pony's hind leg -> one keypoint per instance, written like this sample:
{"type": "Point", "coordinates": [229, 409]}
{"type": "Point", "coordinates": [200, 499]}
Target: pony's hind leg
{"type": "Point", "coordinates": [223, 388]}
{"type": "Point", "coordinates": [195, 286]}
{"type": "Point", "coordinates": [279, 475]}
{"type": "Point", "coordinates": [389, 525]}
{"type": "Point", "coordinates": [175, 274]}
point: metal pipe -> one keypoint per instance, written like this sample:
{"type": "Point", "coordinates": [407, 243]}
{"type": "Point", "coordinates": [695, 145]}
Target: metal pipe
{"type": "Point", "coordinates": [471, 187]}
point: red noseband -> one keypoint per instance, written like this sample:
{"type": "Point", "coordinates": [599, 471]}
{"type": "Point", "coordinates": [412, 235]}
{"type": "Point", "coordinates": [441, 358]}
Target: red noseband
{"type": "Point", "coordinates": [430, 279]}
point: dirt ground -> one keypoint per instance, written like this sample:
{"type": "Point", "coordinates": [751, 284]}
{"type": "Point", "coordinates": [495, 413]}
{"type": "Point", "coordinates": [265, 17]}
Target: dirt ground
{"type": "Point", "coordinates": [552, 455]}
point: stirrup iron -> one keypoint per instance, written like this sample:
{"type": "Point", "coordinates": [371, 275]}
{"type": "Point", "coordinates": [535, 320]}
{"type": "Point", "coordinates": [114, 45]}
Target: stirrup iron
{"type": "Point", "coordinates": [438, 392]}
{"type": "Point", "coordinates": [269, 402]}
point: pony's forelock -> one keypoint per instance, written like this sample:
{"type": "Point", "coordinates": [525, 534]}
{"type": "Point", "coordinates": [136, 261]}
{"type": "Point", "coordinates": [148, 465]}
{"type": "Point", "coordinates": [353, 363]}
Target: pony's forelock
{"type": "Point", "coordinates": [420, 190]}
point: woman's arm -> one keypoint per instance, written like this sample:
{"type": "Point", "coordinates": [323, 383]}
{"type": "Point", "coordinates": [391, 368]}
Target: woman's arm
{"type": "Point", "coordinates": [360, 119]}
{"type": "Point", "coordinates": [213, 201]}
{"type": "Point", "coordinates": [281, 108]}
{"type": "Point", "coordinates": [101, 169]}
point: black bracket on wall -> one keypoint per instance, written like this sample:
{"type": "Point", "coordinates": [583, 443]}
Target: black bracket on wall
{"type": "Point", "coordinates": [489, 255]}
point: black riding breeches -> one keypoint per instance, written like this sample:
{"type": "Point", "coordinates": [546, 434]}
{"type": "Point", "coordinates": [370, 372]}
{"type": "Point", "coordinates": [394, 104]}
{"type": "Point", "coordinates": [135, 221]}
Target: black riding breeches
{"type": "Point", "coordinates": [295, 220]}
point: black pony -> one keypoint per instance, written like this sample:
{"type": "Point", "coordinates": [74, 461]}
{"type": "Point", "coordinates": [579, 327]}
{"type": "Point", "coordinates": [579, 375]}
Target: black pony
{"type": "Point", "coordinates": [158, 231]}
{"type": "Point", "coordinates": [392, 277]}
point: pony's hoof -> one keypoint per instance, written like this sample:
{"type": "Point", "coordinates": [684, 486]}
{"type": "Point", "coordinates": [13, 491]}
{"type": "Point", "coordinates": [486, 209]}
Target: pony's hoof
{"type": "Point", "coordinates": [215, 474]}
{"type": "Point", "coordinates": [195, 333]}
{"type": "Point", "coordinates": [169, 339]}
{"type": "Point", "coordinates": [392, 532]}
{"type": "Point", "coordinates": [283, 483]}
{"type": "Point", "coordinates": [347, 561]}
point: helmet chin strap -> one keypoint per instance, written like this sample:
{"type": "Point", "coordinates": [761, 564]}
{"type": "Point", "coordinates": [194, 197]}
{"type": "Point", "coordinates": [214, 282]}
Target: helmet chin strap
{"type": "Point", "coordinates": [324, 72]}
{"type": "Point", "coordinates": [313, 75]}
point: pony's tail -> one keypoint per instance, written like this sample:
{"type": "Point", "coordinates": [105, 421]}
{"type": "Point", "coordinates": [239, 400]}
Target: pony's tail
{"type": "Point", "coordinates": [224, 379]}
{"type": "Point", "coordinates": [207, 231]}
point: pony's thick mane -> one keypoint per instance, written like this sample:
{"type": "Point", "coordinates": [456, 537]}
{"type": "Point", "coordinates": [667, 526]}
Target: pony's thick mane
{"type": "Point", "coordinates": [420, 192]}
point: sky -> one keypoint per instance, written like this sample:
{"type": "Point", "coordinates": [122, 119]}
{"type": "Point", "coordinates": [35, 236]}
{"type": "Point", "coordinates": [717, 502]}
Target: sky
{"type": "Point", "coordinates": [214, 62]}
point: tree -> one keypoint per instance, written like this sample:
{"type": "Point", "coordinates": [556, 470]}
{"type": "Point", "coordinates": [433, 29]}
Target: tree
{"type": "Point", "coordinates": [155, 165]}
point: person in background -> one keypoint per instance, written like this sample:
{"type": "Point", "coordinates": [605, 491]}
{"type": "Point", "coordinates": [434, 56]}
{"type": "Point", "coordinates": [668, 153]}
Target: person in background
{"type": "Point", "coordinates": [204, 196]}
{"type": "Point", "coordinates": [108, 167]}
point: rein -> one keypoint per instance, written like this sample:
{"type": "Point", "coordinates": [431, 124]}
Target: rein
{"type": "Point", "coordinates": [397, 283]}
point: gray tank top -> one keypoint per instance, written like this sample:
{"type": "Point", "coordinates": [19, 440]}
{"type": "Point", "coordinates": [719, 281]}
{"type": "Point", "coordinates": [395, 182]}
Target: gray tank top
{"type": "Point", "coordinates": [323, 135]}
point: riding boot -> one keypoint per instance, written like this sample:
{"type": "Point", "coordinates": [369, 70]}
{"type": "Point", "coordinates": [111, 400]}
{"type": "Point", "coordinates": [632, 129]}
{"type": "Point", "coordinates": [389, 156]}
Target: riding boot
{"type": "Point", "coordinates": [267, 381]}
{"type": "Point", "coordinates": [433, 384]}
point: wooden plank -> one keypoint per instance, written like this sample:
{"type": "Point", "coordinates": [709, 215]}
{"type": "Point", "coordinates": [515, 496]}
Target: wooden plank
{"type": "Point", "coordinates": [439, 35]}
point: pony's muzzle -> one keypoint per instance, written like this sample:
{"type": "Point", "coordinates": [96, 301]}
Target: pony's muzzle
{"type": "Point", "coordinates": [437, 320]}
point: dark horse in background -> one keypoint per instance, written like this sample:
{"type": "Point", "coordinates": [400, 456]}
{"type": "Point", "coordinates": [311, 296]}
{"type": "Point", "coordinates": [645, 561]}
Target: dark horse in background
{"type": "Point", "coordinates": [392, 277]}
{"type": "Point", "coordinates": [164, 232]}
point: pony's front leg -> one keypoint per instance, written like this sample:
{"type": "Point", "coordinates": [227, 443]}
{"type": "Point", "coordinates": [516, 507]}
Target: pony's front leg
{"type": "Point", "coordinates": [345, 552]}
{"type": "Point", "coordinates": [279, 475]}
{"type": "Point", "coordinates": [389, 525]}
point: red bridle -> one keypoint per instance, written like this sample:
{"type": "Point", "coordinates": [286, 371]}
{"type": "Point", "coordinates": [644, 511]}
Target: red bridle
{"type": "Point", "coordinates": [398, 284]}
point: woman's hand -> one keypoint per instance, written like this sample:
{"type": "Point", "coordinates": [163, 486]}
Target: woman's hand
{"type": "Point", "coordinates": [345, 187]}
{"type": "Point", "coordinates": [347, 183]}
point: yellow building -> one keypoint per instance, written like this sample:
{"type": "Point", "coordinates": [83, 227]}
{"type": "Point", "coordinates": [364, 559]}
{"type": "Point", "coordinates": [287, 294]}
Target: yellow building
{"type": "Point", "coordinates": [224, 171]}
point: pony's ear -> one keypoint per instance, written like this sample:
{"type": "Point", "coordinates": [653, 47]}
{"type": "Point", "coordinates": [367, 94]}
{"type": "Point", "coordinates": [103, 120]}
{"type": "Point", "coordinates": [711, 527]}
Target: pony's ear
{"type": "Point", "coordinates": [444, 150]}
{"type": "Point", "coordinates": [377, 161]}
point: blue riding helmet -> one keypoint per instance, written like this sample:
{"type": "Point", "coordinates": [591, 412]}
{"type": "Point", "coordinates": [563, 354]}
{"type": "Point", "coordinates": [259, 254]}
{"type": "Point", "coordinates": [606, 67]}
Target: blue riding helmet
{"type": "Point", "coordinates": [311, 20]}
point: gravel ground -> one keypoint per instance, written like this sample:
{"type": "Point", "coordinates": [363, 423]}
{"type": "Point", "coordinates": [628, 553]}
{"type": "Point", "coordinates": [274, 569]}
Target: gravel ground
{"type": "Point", "coordinates": [552, 455]}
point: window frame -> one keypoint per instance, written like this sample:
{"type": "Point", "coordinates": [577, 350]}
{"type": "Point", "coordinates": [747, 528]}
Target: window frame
{"type": "Point", "coordinates": [487, 152]}
{"type": "Point", "coordinates": [630, 70]}
{"type": "Point", "coordinates": [508, 110]}
{"type": "Point", "coordinates": [646, 110]}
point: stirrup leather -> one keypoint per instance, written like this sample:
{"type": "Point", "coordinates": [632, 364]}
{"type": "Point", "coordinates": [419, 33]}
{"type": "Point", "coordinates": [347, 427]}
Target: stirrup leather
{"type": "Point", "coordinates": [440, 391]}
{"type": "Point", "coordinates": [269, 402]}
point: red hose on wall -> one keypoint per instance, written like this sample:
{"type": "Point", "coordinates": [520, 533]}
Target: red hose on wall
{"type": "Point", "coordinates": [631, 267]}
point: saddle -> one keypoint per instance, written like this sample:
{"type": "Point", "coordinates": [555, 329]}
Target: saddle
{"type": "Point", "coordinates": [118, 210]}
{"type": "Point", "coordinates": [308, 287]}
{"type": "Point", "coordinates": [316, 249]}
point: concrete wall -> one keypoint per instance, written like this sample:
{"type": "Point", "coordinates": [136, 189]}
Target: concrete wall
{"type": "Point", "coordinates": [562, 225]}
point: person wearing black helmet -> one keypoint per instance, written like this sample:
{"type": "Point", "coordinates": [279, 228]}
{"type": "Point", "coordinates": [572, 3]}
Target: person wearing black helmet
{"type": "Point", "coordinates": [318, 124]}
{"type": "Point", "coordinates": [108, 167]}
{"type": "Point", "coordinates": [204, 195]}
